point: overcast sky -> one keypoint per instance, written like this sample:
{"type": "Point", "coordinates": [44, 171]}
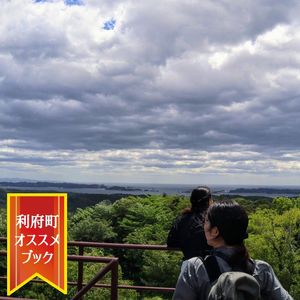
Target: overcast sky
{"type": "Point", "coordinates": [203, 92]}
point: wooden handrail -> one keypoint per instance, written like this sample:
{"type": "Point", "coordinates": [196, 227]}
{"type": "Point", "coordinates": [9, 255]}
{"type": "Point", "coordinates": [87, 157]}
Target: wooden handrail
{"type": "Point", "coordinates": [112, 265]}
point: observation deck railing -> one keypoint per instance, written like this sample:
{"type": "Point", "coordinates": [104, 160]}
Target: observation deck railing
{"type": "Point", "coordinates": [112, 264]}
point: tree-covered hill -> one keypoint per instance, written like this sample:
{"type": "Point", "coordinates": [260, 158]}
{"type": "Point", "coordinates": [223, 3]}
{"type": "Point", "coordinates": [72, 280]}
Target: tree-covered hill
{"type": "Point", "coordinates": [75, 200]}
{"type": "Point", "coordinates": [274, 236]}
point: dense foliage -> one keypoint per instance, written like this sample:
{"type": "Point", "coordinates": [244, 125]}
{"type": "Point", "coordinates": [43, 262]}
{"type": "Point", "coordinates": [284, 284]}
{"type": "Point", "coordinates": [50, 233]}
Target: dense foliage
{"type": "Point", "coordinates": [274, 236]}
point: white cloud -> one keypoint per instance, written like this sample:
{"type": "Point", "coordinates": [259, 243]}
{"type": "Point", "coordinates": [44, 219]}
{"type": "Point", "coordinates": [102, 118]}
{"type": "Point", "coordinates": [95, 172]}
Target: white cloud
{"type": "Point", "coordinates": [176, 81]}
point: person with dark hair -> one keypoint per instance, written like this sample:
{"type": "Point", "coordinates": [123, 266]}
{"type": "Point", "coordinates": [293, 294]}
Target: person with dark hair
{"type": "Point", "coordinates": [187, 233]}
{"type": "Point", "coordinates": [225, 229]}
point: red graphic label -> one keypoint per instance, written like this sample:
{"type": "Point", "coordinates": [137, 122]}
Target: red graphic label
{"type": "Point", "coordinates": [37, 240]}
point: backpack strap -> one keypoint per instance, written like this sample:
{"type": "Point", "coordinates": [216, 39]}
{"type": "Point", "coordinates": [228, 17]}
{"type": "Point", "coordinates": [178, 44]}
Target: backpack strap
{"type": "Point", "coordinates": [212, 268]}
{"type": "Point", "coordinates": [250, 263]}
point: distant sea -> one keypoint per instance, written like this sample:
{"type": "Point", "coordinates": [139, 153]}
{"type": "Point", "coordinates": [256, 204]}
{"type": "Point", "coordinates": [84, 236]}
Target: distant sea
{"type": "Point", "coordinates": [170, 189]}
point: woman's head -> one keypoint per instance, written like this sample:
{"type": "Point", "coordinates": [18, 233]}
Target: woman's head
{"type": "Point", "coordinates": [228, 220]}
{"type": "Point", "coordinates": [200, 198]}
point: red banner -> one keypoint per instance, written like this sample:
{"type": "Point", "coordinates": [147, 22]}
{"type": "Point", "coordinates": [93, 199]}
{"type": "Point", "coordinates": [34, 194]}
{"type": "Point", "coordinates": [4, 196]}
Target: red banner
{"type": "Point", "coordinates": [36, 240]}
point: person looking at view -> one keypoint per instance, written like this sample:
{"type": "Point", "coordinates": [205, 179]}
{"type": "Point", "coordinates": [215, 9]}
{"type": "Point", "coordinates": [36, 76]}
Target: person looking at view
{"type": "Point", "coordinates": [225, 229]}
{"type": "Point", "coordinates": [187, 232]}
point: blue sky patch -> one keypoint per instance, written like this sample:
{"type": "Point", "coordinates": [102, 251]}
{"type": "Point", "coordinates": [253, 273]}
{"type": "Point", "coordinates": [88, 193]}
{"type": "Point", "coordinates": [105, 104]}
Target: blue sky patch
{"type": "Point", "coordinates": [109, 25]}
{"type": "Point", "coordinates": [73, 2]}
{"type": "Point", "coordinates": [67, 2]}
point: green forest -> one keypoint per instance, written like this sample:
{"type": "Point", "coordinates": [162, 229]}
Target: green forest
{"type": "Point", "coordinates": [274, 236]}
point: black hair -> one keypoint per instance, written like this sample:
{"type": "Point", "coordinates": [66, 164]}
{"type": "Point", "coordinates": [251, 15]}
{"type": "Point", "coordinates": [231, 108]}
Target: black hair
{"type": "Point", "coordinates": [200, 197]}
{"type": "Point", "coordinates": [232, 222]}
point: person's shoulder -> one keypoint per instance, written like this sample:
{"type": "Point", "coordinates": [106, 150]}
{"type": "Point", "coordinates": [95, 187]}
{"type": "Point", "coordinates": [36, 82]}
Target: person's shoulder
{"type": "Point", "coordinates": [187, 214]}
{"type": "Point", "coordinates": [195, 263]}
{"type": "Point", "coordinates": [184, 217]}
{"type": "Point", "coordinates": [261, 264]}
{"type": "Point", "coordinates": [195, 270]}
{"type": "Point", "coordinates": [262, 268]}
{"type": "Point", "coordinates": [270, 285]}
{"type": "Point", "coordinates": [193, 282]}
{"type": "Point", "coordinates": [195, 260]}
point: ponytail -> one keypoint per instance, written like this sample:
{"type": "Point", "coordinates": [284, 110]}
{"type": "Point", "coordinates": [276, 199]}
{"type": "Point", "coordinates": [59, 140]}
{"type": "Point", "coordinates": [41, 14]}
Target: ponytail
{"type": "Point", "coordinates": [240, 259]}
{"type": "Point", "coordinates": [232, 222]}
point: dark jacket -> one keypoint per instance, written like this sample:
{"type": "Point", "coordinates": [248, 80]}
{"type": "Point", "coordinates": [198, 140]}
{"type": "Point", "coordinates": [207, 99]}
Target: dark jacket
{"type": "Point", "coordinates": [187, 234]}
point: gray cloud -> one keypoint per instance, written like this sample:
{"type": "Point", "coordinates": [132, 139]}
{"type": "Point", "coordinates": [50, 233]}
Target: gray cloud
{"type": "Point", "coordinates": [192, 77]}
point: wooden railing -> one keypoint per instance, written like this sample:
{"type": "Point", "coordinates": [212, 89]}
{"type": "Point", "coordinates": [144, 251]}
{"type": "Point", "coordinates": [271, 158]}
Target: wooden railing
{"type": "Point", "coordinates": [111, 266]}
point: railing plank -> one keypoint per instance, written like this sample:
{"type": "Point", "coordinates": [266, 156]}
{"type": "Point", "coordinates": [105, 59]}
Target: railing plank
{"type": "Point", "coordinates": [80, 269]}
{"type": "Point", "coordinates": [98, 276]}
{"type": "Point", "coordinates": [84, 287]}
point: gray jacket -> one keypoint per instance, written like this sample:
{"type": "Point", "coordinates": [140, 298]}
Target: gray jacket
{"type": "Point", "coordinates": [193, 283]}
